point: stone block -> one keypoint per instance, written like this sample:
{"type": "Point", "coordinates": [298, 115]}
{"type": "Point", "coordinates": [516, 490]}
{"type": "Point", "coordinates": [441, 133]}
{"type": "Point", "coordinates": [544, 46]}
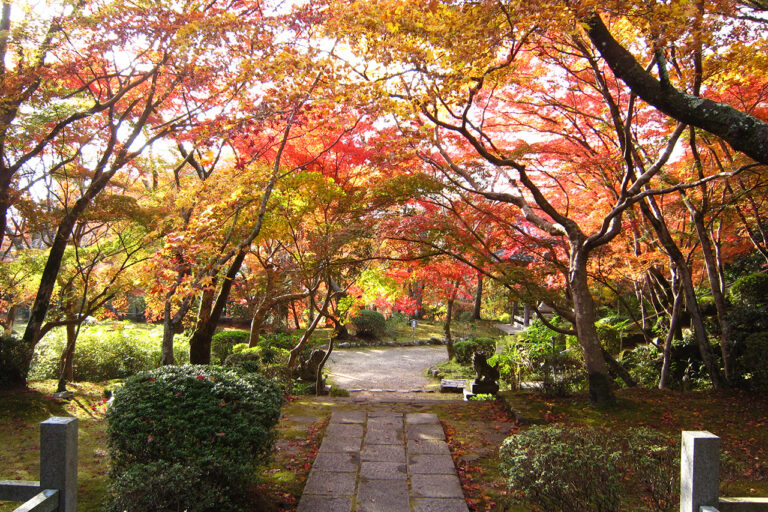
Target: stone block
{"type": "Point", "coordinates": [384, 422]}
{"type": "Point", "coordinates": [699, 470]}
{"type": "Point", "coordinates": [58, 460]}
{"type": "Point", "coordinates": [452, 385]}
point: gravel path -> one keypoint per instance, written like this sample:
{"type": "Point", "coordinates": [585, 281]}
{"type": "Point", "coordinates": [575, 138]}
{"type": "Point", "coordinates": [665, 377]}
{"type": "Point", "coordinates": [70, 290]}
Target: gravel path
{"type": "Point", "coordinates": [390, 368]}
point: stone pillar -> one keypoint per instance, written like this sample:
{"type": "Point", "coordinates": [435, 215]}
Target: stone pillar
{"type": "Point", "coordinates": [699, 471]}
{"type": "Point", "coordinates": [58, 460]}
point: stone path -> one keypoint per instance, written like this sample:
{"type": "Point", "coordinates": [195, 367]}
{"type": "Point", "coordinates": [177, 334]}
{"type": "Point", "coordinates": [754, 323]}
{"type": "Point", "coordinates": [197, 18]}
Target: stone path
{"type": "Point", "coordinates": [383, 462]}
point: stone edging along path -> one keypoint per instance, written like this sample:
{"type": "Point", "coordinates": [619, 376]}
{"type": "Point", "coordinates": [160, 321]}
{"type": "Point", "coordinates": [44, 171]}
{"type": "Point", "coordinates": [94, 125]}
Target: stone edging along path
{"type": "Point", "coordinates": [383, 462]}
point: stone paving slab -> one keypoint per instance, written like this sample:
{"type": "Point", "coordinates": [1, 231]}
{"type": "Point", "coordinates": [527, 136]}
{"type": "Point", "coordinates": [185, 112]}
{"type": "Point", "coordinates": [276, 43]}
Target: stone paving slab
{"type": "Point", "coordinates": [437, 486]}
{"type": "Point", "coordinates": [330, 483]}
{"type": "Point", "coordinates": [340, 444]}
{"type": "Point", "coordinates": [347, 462]}
{"type": "Point", "coordinates": [383, 496]}
{"type": "Point", "coordinates": [428, 447]}
{"type": "Point", "coordinates": [425, 432]}
{"type": "Point", "coordinates": [325, 504]}
{"type": "Point", "coordinates": [421, 418]}
{"type": "Point", "coordinates": [383, 471]}
{"type": "Point", "coordinates": [344, 430]}
{"type": "Point", "coordinates": [431, 464]}
{"type": "Point", "coordinates": [348, 417]}
{"type": "Point", "coordinates": [383, 462]}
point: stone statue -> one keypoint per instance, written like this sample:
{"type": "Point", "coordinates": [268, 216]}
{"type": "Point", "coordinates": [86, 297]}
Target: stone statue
{"type": "Point", "coordinates": [308, 368]}
{"type": "Point", "coordinates": [487, 378]}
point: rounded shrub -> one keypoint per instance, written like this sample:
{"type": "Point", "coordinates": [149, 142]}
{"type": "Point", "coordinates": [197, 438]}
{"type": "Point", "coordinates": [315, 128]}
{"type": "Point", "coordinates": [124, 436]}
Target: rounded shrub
{"type": "Point", "coordinates": [370, 324]}
{"type": "Point", "coordinates": [562, 469]}
{"type": "Point", "coordinates": [222, 343]}
{"type": "Point", "coordinates": [465, 349]}
{"type": "Point", "coordinates": [14, 355]}
{"type": "Point", "coordinates": [751, 289]}
{"type": "Point", "coordinates": [193, 415]}
{"type": "Point", "coordinates": [171, 487]}
{"type": "Point", "coordinates": [244, 359]}
{"type": "Point", "coordinates": [751, 362]}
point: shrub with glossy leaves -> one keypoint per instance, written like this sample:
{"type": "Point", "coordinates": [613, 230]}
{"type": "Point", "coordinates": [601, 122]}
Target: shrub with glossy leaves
{"type": "Point", "coordinates": [163, 486]}
{"type": "Point", "coordinates": [193, 415]}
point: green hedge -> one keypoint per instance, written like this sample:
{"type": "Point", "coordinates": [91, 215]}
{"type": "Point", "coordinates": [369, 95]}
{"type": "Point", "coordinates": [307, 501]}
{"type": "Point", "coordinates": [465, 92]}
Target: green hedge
{"type": "Point", "coordinates": [105, 352]}
{"type": "Point", "coordinates": [465, 349]}
{"type": "Point", "coordinates": [562, 469]}
{"type": "Point", "coordinates": [222, 343]}
{"type": "Point", "coordinates": [370, 324]}
{"type": "Point", "coordinates": [210, 419]}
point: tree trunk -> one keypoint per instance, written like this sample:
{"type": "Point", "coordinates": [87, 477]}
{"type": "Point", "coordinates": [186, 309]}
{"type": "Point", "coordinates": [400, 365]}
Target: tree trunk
{"type": "Point", "coordinates": [515, 311]}
{"type": "Point", "coordinates": [691, 305]}
{"type": "Point", "coordinates": [478, 298]}
{"type": "Point", "coordinates": [256, 322]}
{"type": "Point", "coordinates": [600, 391]}
{"type": "Point", "coordinates": [66, 364]}
{"type": "Point", "coordinates": [204, 331]}
{"type": "Point", "coordinates": [319, 382]}
{"type": "Point", "coordinates": [169, 331]}
{"type": "Point", "coordinates": [673, 326]}
{"type": "Point", "coordinates": [526, 315]}
{"type": "Point", "coordinates": [199, 353]}
{"type": "Point", "coordinates": [447, 330]}
{"type": "Point", "coordinates": [10, 318]}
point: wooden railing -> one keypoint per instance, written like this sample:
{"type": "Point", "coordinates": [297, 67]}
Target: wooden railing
{"type": "Point", "coordinates": [57, 489]}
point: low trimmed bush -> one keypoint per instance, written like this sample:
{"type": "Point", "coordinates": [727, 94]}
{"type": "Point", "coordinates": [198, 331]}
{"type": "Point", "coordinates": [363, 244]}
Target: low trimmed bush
{"type": "Point", "coordinates": [106, 351]}
{"type": "Point", "coordinates": [14, 354]}
{"type": "Point", "coordinates": [465, 349]}
{"type": "Point", "coordinates": [370, 324]}
{"type": "Point", "coordinates": [216, 422]}
{"type": "Point", "coordinates": [172, 487]}
{"type": "Point", "coordinates": [751, 289]}
{"type": "Point", "coordinates": [562, 469]}
{"type": "Point", "coordinates": [222, 343]}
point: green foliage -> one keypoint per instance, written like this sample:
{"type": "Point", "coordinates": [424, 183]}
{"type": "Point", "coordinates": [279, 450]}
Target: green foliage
{"type": "Point", "coordinates": [580, 468]}
{"type": "Point", "coordinates": [14, 354]}
{"type": "Point", "coordinates": [339, 392]}
{"type": "Point", "coordinates": [465, 349]}
{"type": "Point", "coordinates": [560, 374]}
{"type": "Point", "coordinates": [611, 330]}
{"type": "Point", "coordinates": [751, 289]}
{"type": "Point", "coordinates": [397, 322]}
{"type": "Point", "coordinates": [751, 361]}
{"type": "Point", "coordinates": [483, 397]}
{"type": "Point", "coordinates": [563, 469]}
{"type": "Point", "coordinates": [244, 359]}
{"type": "Point", "coordinates": [454, 370]}
{"type": "Point", "coordinates": [105, 352]}
{"type": "Point", "coordinates": [216, 423]}
{"type": "Point", "coordinates": [369, 324]}
{"type": "Point", "coordinates": [222, 343]}
{"type": "Point", "coordinates": [644, 364]}
{"type": "Point", "coordinates": [172, 487]}
{"type": "Point", "coordinates": [279, 340]}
